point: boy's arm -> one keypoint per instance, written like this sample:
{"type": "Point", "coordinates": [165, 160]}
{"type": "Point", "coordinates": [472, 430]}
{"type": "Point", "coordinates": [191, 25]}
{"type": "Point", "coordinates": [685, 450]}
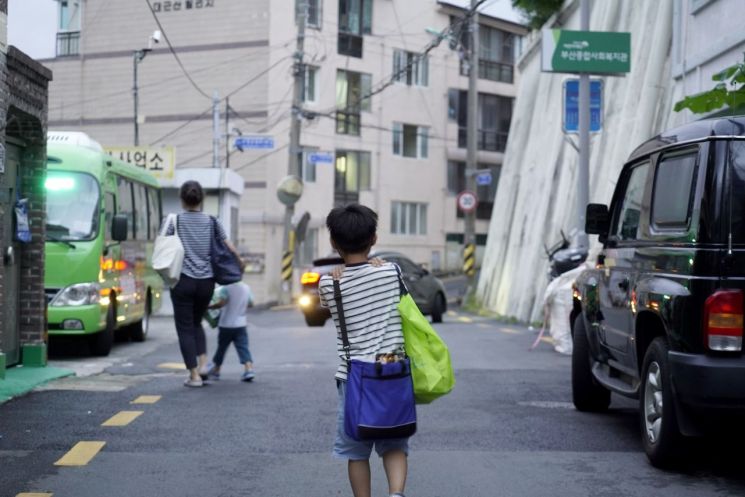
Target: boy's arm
{"type": "Point", "coordinates": [222, 299]}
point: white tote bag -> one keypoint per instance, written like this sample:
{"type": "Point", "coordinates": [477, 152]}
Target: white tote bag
{"type": "Point", "coordinates": [168, 253]}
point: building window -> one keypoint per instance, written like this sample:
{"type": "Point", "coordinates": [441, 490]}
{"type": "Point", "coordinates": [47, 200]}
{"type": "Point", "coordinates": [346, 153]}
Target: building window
{"type": "Point", "coordinates": [352, 97]}
{"type": "Point", "coordinates": [408, 218]}
{"type": "Point", "coordinates": [314, 17]}
{"type": "Point", "coordinates": [310, 84]}
{"type": "Point", "coordinates": [307, 168]}
{"type": "Point", "coordinates": [355, 20]}
{"type": "Point", "coordinates": [410, 68]}
{"type": "Point", "coordinates": [410, 140]}
{"type": "Point", "coordinates": [69, 15]}
{"type": "Point", "coordinates": [485, 193]}
{"type": "Point", "coordinates": [352, 175]}
{"type": "Point", "coordinates": [68, 29]}
{"type": "Point", "coordinates": [496, 54]}
{"type": "Point", "coordinates": [495, 114]}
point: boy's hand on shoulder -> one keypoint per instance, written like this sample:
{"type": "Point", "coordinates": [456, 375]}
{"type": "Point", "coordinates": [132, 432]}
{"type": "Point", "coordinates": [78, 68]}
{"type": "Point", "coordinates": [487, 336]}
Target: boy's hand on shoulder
{"type": "Point", "coordinates": [337, 272]}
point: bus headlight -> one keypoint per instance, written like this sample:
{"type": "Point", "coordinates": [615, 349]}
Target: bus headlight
{"type": "Point", "coordinates": [78, 294]}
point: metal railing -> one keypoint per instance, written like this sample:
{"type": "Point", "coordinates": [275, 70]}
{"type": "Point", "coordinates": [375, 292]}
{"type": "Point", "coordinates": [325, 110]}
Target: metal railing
{"type": "Point", "coordinates": [68, 43]}
{"type": "Point", "coordinates": [349, 44]}
{"type": "Point", "coordinates": [488, 140]}
{"type": "Point", "coordinates": [347, 123]}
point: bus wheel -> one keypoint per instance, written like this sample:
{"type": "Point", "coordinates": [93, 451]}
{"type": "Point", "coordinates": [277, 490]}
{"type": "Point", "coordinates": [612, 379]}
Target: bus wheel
{"type": "Point", "coordinates": [138, 330]}
{"type": "Point", "coordinates": [101, 342]}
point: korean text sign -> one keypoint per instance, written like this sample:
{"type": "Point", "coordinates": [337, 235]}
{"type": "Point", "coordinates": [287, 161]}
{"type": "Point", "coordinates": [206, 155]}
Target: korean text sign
{"type": "Point", "coordinates": [595, 52]}
{"type": "Point", "coordinates": [160, 161]}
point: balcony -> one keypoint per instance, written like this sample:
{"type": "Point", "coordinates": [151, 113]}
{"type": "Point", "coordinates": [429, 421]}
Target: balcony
{"type": "Point", "coordinates": [496, 71]}
{"type": "Point", "coordinates": [350, 44]}
{"type": "Point", "coordinates": [347, 123]}
{"type": "Point", "coordinates": [68, 43]}
{"type": "Point", "coordinates": [488, 140]}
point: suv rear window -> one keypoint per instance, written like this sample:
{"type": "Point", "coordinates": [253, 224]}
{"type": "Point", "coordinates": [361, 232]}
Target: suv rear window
{"type": "Point", "coordinates": [737, 171]}
{"type": "Point", "coordinates": [673, 187]}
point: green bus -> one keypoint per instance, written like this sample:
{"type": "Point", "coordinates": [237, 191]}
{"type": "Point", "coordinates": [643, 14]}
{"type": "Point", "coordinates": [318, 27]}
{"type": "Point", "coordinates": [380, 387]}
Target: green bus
{"type": "Point", "coordinates": [102, 217]}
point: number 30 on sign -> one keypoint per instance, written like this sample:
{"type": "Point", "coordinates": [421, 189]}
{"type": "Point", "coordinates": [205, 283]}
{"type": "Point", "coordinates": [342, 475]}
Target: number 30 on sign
{"type": "Point", "coordinates": [467, 201]}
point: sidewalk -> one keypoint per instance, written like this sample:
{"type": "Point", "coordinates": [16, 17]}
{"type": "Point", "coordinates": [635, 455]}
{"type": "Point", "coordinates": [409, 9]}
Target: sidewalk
{"type": "Point", "coordinates": [20, 380]}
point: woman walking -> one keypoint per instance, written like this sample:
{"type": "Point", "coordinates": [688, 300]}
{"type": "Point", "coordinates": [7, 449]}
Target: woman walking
{"type": "Point", "coordinates": [191, 295]}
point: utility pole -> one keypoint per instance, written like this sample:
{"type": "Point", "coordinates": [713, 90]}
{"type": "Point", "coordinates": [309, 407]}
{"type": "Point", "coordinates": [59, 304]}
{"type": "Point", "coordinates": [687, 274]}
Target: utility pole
{"type": "Point", "coordinates": [215, 130]}
{"type": "Point", "coordinates": [137, 57]}
{"type": "Point", "coordinates": [583, 174]}
{"type": "Point", "coordinates": [293, 164]}
{"type": "Point", "coordinates": [227, 132]}
{"type": "Point", "coordinates": [469, 238]}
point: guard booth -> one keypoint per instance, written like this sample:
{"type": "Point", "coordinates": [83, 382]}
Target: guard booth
{"type": "Point", "coordinates": [23, 111]}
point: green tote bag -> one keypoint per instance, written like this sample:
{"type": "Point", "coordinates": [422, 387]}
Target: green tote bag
{"type": "Point", "coordinates": [431, 370]}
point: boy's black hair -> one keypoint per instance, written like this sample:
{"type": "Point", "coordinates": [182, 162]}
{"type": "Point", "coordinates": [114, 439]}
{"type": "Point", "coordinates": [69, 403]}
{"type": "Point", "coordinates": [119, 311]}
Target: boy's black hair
{"type": "Point", "coordinates": [352, 227]}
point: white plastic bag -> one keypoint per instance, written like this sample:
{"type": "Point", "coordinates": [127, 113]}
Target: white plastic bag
{"type": "Point", "coordinates": [168, 253]}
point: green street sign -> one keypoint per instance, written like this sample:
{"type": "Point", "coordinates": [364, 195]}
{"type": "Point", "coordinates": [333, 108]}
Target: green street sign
{"type": "Point", "coordinates": [595, 52]}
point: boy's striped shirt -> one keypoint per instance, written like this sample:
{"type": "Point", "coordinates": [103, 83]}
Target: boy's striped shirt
{"type": "Point", "coordinates": [370, 296]}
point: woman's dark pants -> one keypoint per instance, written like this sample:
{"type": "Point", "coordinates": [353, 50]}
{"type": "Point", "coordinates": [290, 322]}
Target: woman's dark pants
{"type": "Point", "coordinates": [190, 298]}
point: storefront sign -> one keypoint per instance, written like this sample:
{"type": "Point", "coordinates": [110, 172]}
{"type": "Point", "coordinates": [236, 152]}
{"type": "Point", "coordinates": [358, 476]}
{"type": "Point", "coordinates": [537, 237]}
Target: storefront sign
{"type": "Point", "coordinates": [161, 161]}
{"type": "Point", "coordinates": [595, 52]}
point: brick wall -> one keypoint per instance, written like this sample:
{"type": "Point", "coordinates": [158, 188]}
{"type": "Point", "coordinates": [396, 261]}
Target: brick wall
{"type": "Point", "coordinates": [23, 114]}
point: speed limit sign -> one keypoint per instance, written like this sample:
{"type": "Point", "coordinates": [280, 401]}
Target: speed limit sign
{"type": "Point", "coordinates": [467, 201]}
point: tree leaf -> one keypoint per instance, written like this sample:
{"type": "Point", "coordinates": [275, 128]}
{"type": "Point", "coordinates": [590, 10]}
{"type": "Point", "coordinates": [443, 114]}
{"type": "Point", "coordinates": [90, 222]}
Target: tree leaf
{"type": "Point", "coordinates": [726, 73]}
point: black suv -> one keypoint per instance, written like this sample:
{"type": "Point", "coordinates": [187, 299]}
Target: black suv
{"type": "Point", "coordinates": [660, 318]}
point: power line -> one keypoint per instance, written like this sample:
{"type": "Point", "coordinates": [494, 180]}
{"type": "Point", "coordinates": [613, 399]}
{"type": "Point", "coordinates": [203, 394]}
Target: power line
{"type": "Point", "coordinates": [175, 55]}
{"type": "Point", "coordinates": [183, 125]}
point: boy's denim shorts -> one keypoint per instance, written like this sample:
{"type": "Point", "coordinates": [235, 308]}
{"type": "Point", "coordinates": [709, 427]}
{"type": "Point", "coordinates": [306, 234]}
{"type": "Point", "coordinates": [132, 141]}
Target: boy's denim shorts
{"type": "Point", "coordinates": [346, 447]}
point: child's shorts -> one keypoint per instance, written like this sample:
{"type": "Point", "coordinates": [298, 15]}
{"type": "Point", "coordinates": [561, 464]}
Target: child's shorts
{"type": "Point", "coordinates": [346, 447]}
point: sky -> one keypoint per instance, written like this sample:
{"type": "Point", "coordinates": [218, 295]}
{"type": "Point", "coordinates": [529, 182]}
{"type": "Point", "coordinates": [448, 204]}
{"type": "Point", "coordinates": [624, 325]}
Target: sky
{"type": "Point", "coordinates": [32, 24]}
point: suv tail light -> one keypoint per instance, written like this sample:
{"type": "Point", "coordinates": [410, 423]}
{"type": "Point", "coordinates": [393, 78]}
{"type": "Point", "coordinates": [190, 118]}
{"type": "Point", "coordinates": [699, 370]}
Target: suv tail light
{"type": "Point", "coordinates": [309, 278]}
{"type": "Point", "coordinates": [723, 319]}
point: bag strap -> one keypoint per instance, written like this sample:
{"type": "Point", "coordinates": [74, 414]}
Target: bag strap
{"type": "Point", "coordinates": [170, 220]}
{"type": "Point", "coordinates": [401, 286]}
{"type": "Point", "coordinates": [342, 321]}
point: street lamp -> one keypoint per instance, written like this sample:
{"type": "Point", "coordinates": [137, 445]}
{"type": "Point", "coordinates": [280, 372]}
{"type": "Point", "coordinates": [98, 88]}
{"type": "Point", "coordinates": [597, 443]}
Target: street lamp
{"type": "Point", "coordinates": [137, 57]}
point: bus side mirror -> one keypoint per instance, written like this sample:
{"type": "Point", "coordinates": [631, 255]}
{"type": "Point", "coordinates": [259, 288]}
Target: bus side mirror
{"type": "Point", "coordinates": [597, 220]}
{"type": "Point", "coordinates": [119, 227]}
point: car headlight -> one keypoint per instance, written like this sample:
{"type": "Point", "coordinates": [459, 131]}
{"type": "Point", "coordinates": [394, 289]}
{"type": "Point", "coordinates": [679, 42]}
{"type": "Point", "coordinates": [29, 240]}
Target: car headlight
{"type": "Point", "coordinates": [78, 294]}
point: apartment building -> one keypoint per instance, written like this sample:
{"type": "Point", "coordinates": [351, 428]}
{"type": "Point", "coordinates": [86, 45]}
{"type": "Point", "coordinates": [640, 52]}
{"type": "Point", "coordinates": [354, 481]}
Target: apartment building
{"type": "Point", "coordinates": [400, 151]}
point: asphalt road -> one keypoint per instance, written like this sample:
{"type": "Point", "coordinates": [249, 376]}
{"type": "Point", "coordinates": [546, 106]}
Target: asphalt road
{"type": "Point", "coordinates": [508, 428]}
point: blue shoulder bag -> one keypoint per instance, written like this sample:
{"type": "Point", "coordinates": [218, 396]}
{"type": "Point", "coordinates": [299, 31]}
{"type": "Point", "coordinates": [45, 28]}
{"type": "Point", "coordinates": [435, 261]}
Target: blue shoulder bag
{"type": "Point", "coordinates": [379, 401]}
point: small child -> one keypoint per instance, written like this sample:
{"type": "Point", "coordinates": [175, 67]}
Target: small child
{"type": "Point", "coordinates": [233, 300]}
{"type": "Point", "coordinates": [370, 294]}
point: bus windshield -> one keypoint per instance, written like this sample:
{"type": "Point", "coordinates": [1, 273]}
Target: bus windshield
{"type": "Point", "coordinates": [72, 206]}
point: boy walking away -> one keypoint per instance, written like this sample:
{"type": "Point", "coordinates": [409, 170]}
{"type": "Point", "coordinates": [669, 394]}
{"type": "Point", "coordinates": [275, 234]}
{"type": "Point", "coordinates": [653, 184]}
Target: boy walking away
{"type": "Point", "coordinates": [369, 299]}
{"type": "Point", "coordinates": [233, 299]}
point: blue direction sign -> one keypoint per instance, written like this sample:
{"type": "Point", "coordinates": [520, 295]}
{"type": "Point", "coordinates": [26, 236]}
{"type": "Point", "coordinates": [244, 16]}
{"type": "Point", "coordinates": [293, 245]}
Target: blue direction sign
{"type": "Point", "coordinates": [321, 158]}
{"type": "Point", "coordinates": [571, 105]}
{"type": "Point", "coordinates": [483, 179]}
{"type": "Point", "coordinates": [254, 142]}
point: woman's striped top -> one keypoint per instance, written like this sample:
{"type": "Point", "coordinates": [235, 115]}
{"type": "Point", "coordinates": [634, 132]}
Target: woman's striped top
{"type": "Point", "coordinates": [195, 232]}
{"type": "Point", "coordinates": [370, 296]}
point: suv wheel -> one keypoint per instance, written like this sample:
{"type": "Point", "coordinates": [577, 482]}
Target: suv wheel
{"type": "Point", "coordinates": [587, 394]}
{"type": "Point", "coordinates": [661, 436]}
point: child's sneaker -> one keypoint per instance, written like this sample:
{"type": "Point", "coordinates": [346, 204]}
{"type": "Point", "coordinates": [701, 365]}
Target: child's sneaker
{"type": "Point", "coordinates": [213, 374]}
{"type": "Point", "coordinates": [248, 375]}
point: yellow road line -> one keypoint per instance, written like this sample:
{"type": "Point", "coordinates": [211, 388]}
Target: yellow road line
{"type": "Point", "coordinates": [464, 319]}
{"type": "Point", "coordinates": [548, 340]}
{"type": "Point", "coordinates": [122, 418]}
{"type": "Point", "coordinates": [33, 494]}
{"type": "Point", "coordinates": [482, 325]}
{"type": "Point", "coordinates": [509, 330]}
{"type": "Point", "coordinates": [172, 365]}
{"type": "Point", "coordinates": [81, 454]}
{"type": "Point", "coordinates": [452, 313]}
{"type": "Point", "coordinates": [146, 399]}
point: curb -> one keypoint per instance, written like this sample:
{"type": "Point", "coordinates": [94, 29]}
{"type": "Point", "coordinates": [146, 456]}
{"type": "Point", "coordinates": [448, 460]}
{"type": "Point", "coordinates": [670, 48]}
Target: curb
{"type": "Point", "coordinates": [20, 380]}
